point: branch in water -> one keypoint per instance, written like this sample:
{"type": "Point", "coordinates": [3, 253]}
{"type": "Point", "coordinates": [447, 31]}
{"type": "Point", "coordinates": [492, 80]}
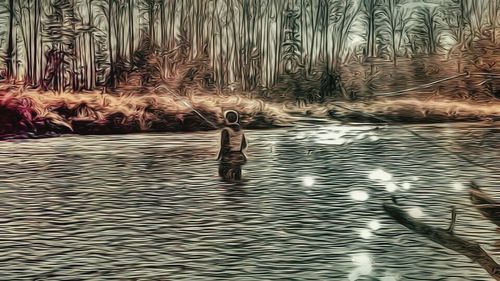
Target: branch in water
{"type": "Point", "coordinates": [453, 220]}
{"type": "Point", "coordinates": [486, 205]}
{"type": "Point", "coordinates": [448, 240]}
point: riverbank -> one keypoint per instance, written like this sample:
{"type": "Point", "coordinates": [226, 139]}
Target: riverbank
{"type": "Point", "coordinates": [25, 114]}
{"type": "Point", "coordinates": [32, 114]}
{"type": "Point", "coordinates": [406, 110]}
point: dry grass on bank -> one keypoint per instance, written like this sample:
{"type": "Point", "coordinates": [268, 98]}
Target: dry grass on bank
{"type": "Point", "coordinates": [436, 110]}
{"type": "Point", "coordinates": [406, 110]}
{"type": "Point", "coordinates": [26, 113]}
{"type": "Point", "coordinates": [98, 113]}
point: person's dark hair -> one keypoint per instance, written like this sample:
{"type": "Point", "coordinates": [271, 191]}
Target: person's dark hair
{"type": "Point", "coordinates": [231, 116]}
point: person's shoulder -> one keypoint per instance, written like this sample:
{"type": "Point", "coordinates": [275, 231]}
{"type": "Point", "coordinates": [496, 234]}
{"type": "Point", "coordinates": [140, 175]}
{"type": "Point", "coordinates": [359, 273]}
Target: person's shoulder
{"type": "Point", "coordinates": [230, 129]}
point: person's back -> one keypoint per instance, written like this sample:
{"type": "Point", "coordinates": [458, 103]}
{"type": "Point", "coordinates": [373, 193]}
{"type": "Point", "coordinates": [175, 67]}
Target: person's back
{"type": "Point", "coordinates": [232, 148]}
{"type": "Point", "coordinates": [235, 138]}
{"type": "Point", "coordinates": [232, 137]}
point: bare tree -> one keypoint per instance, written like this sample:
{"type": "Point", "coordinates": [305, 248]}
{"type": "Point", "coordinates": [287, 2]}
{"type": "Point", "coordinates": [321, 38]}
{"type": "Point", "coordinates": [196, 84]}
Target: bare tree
{"type": "Point", "coordinates": [493, 9]}
{"type": "Point", "coordinates": [9, 56]}
{"type": "Point", "coordinates": [28, 21]}
{"type": "Point", "coordinates": [394, 24]}
{"type": "Point", "coordinates": [429, 26]}
{"type": "Point", "coordinates": [370, 9]}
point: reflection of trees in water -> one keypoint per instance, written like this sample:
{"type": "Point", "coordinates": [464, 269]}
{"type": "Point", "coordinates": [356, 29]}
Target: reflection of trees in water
{"type": "Point", "coordinates": [486, 139]}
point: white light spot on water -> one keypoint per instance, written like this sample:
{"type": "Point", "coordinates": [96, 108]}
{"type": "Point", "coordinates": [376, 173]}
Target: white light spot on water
{"type": "Point", "coordinates": [374, 138]}
{"type": "Point", "coordinates": [391, 187]}
{"type": "Point", "coordinates": [361, 136]}
{"type": "Point", "coordinates": [272, 145]}
{"type": "Point", "coordinates": [374, 225]}
{"type": "Point", "coordinates": [380, 175]}
{"type": "Point", "coordinates": [389, 278]}
{"type": "Point", "coordinates": [365, 234]}
{"type": "Point", "coordinates": [300, 136]}
{"type": "Point", "coordinates": [332, 140]}
{"type": "Point", "coordinates": [341, 135]}
{"type": "Point", "coordinates": [458, 186]}
{"type": "Point", "coordinates": [359, 195]}
{"type": "Point", "coordinates": [406, 185]}
{"type": "Point", "coordinates": [364, 135]}
{"type": "Point", "coordinates": [416, 212]}
{"type": "Point", "coordinates": [308, 181]}
{"type": "Point", "coordinates": [333, 136]}
{"type": "Point", "coordinates": [363, 265]}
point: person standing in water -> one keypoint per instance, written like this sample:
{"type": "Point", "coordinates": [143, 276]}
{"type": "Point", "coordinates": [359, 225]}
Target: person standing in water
{"type": "Point", "coordinates": [232, 148]}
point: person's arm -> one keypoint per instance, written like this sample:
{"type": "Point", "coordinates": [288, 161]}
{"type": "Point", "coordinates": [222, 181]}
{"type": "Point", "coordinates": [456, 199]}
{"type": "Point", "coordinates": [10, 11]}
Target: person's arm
{"type": "Point", "coordinates": [224, 142]}
{"type": "Point", "coordinates": [244, 145]}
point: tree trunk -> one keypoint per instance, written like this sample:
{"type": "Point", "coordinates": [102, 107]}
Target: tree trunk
{"type": "Point", "coordinates": [394, 51]}
{"type": "Point", "coordinates": [10, 44]}
{"type": "Point", "coordinates": [111, 78]}
{"type": "Point", "coordinates": [131, 40]}
{"type": "Point", "coordinates": [315, 22]}
{"type": "Point", "coordinates": [163, 24]}
{"type": "Point", "coordinates": [493, 19]}
{"type": "Point", "coordinates": [371, 35]}
{"type": "Point", "coordinates": [172, 25]}
{"type": "Point", "coordinates": [91, 69]}
{"type": "Point", "coordinates": [151, 21]}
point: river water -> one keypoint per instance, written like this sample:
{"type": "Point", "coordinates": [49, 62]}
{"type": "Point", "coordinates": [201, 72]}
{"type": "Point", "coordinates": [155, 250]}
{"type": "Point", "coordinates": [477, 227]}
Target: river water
{"type": "Point", "coordinates": [152, 207]}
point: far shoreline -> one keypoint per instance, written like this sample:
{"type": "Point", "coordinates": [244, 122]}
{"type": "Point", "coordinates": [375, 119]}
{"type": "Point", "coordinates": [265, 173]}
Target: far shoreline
{"type": "Point", "coordinates": [32, 114]}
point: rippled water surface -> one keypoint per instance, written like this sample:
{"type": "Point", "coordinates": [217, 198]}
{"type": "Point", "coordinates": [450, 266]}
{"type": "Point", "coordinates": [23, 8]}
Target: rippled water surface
{"type": "Point", "coordinates": [151, 207]}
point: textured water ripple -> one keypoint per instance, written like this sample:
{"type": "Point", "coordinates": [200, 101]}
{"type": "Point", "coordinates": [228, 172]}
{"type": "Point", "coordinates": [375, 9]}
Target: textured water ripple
{"type": "Point", "coordinates": [151, 207]}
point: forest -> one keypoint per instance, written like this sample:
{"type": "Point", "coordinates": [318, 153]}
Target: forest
{"type": "Point", "coordinates": [305, 50]}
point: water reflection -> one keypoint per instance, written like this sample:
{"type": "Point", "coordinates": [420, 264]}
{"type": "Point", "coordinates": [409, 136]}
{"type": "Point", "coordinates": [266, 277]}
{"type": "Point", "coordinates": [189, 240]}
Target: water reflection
{"type": "Point", "coordinates": [359, 195]}
{"type": "Point", "coordinates": [416, 212]}
{"type": "Point", "coordinates": [308, 181]}
{"type": "Point", "coordinates": [374, 225]}
{"type": "Point", "coordinates": [380, 175]}
{"type": "Point", "coordinates": [458, 186]}
{"type": "Point", "coordinates": [390, 278]}
{"type": "Point", "coordinates": [363, 266]}
{"type": "Point", "coordinates": [365, 233]}
{"type": "Point", "coordinates": [235, 193]}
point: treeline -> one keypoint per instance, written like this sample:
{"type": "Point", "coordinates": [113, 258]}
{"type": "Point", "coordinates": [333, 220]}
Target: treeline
{"type": "Point", "coordinates": [243, 45]}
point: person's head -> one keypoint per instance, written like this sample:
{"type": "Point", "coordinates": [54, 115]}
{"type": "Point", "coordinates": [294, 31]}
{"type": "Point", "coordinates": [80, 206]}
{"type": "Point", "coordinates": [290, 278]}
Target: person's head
{"type": "Point", "coordinates": [231, 117]}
